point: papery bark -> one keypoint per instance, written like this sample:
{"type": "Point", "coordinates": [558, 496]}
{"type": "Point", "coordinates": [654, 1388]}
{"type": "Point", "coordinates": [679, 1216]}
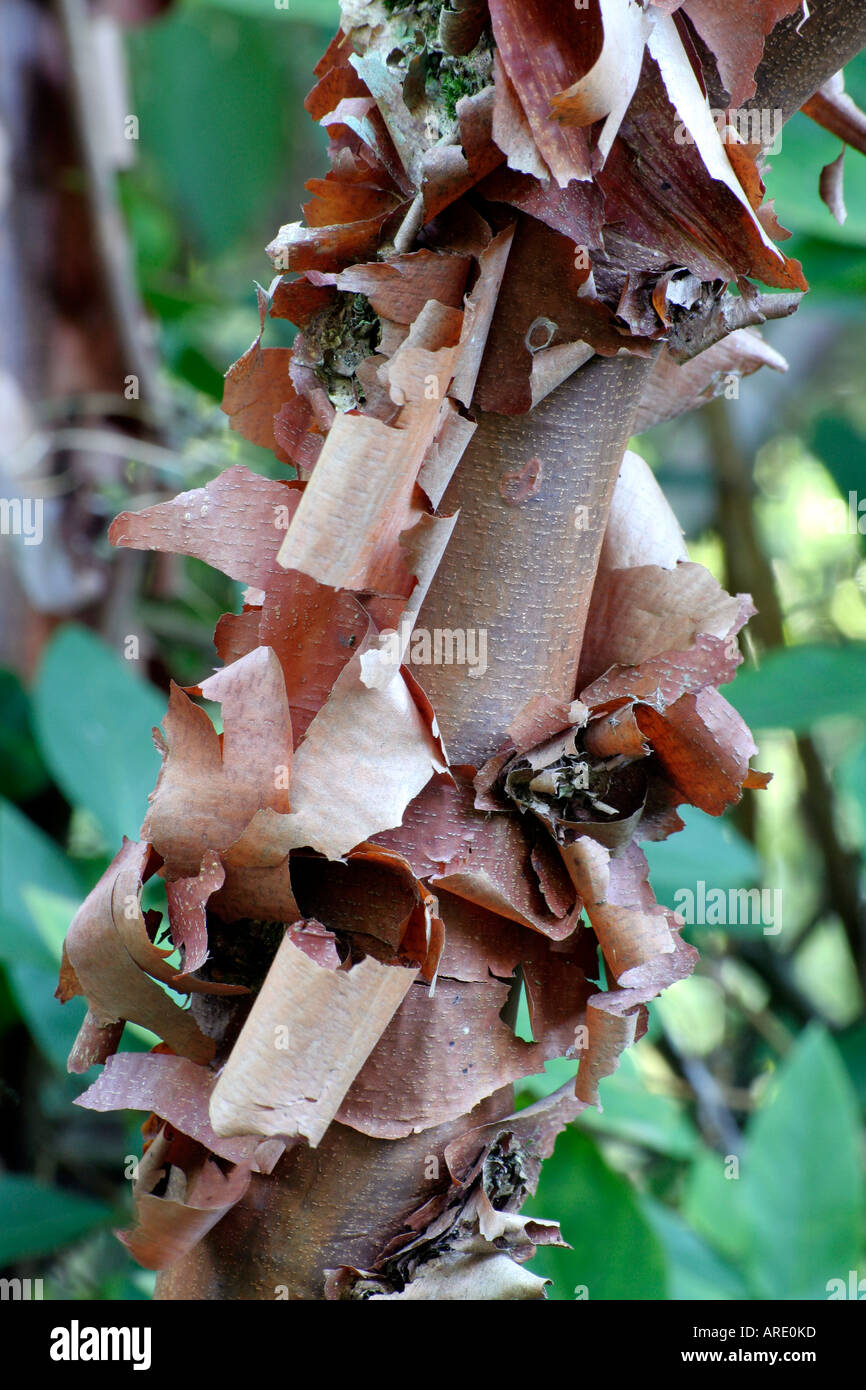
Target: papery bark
{"type": "Point", "coordinates": [520, 568]}
{"type": "Point", "coordinates": [523, 574]}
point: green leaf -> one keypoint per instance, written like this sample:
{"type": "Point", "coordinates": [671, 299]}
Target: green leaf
{"type": "Point", "coordinates": [35, 878]}
{"type": "Point", "coordinates": [852, 1047]}
{"type": "Point", "coordinates": [709, 849]}
{"type": "Point", "coordinates": [831, 269]}
{"type": "Point", "coordinates": [792, 176]}
{"type": "Point", "coordinates": [36, 1219]}
{"type": "Point", "coordinates": [695, 1270]}
{"type": "Point", "coordinates": [630, 1111]}
{"type": "Point", "coordinates": [198, 369]}
{"type": "Point", "coordinates": [9, 1012]}
{"type": "Point", "coordinates": [640, 1116]}
{"type": "Point", "coordinates": [555, 1074]}
{"type": "Point", "coordinates": [52, 1026]}
{"type": "Point", "coordinates": [852, 780]}
{"type": "Point", "coordinates": [325, 12]}
{"type": "Point", "coordinates": [22, 771]}
{"type": "Point", "coordinates": [712, 1204]}
{"type": "Point", "coordinates": [802, 1178]}
{"type": "Point", "coordinates": [94, 718]}
{"type": "Point", "coordinates": [795, 687]}
{"type": "Point", "coordinates": [615, 1254]}
{"type": "Point", "coordinates": [39, 895]}
{"type": "Point", "coordinates": [52, 914]}
{"type": "Point", "coordinates": [210, 91]}
{"type": "Point", "coordinates": [842, 450]}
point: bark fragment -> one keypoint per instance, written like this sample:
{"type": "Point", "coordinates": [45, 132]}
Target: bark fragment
{"type": "Point", "coordinates": [291, 1082]}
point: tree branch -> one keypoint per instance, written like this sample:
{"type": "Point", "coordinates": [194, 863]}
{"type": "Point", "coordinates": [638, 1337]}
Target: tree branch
{"type": "Point", "coordinates": [800, 57]}
{"type": "Point", "coordinates": [701, 328]}
{"type": "Point", "coordinates": [109, 229]}
{"type": "Point", "coordinates": [749, 570]}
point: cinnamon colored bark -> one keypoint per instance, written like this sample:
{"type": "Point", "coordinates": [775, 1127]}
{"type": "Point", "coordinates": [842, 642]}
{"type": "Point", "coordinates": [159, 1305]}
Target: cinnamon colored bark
{"type": "Point", "coordinates": [800, 58]}
{"type": "Point", "coordinates": [523, 572]}
{"type": "Point", "coordinates": [320, 1208]}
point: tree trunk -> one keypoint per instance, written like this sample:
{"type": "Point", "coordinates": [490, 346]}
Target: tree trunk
{"type": "Point", "coordinates": [534, 493]}
{"type": "Point", "coordinates": [340, 1204]}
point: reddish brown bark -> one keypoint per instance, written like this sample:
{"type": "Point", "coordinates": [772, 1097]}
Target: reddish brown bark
{"type": "Point", "coordinates": [524, 574]}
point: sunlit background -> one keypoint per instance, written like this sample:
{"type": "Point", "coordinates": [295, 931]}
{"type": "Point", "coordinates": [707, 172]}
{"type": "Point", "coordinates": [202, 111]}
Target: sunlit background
{"type": "Point", "coordinates": [727, 1162]}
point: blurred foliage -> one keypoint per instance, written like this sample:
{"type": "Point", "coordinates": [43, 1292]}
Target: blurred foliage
{"type": "Point", "coordinates": [726, 1162]}
{"type": "Point", "coordinates": [777, 1221]}
{"type": "Point", "coordinates": [225, 145]}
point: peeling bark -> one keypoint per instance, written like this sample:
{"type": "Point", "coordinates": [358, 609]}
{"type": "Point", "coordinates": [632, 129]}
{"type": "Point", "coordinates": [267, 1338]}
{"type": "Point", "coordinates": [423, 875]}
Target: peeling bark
{"type": "Point", "coordinates": [524, 574]}
{"type": "Point", "coordinates": [359, 1216]}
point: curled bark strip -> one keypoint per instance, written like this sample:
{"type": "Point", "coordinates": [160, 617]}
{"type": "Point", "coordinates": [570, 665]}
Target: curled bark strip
{"type": "Point", "coordinates": [704, 746]}
{"type": "Point", "coordinates": [606, 90]}
{"type": "Point", "coordinates": [186, 909]}
{"type": "Point", "coordinates": [376, 901]}
{"type": "Point", "coordinates": [178, 1091]}
{"type": "Point", "coordinates": [511, 130]}
{"type": "Point", "coordinates": [831, 187]}
{"type": "Point", "coordinates": [97, 964]}
{"type": "Point", "coordinates": [736, 37]}
{"type": "Point", "coordinates": [641, 526]}
{"type": "Point", "coordinates": [478, 315]}
{"type": "Point", "coordinates": [227, 524]}
{"type": "Point", "coordinates": [632, 929]}
{"type": "Point", "coordinates": [495, 872]}
{"type": "Point", "coordinates": [674, 388]}
{"type": "Point", "coordinates": [237, 523]}
{"type": "Point", "coordinates": [345, 531]}
{"type": "Point", "coordinates": [196, 1196]}
{"type": "Point", "coordinates": [307, 1036]}
{"type": "Point", "coordinates": [210, 786]}
{"type": "Point", "coordinates": [553, 365]}
{"type": "Point", "coordinates": [617, 1018]}
{"type": "Point", "coordinates": [461, 25]}
{"type": "Point", "coordinates": [455, 356]}
{"type": "Point", "coordinates": [334, 811]}
{"type": "Point", "coordinates": [645, 611]}
{"type": "Point", "coordinates": [538, 69]}
{"type": "Point", "coordinates": [95, 1043]}
{"type": "Point", "coordinates": [832, 108]}
{"type": "Point", "coordinates": [399, 287]}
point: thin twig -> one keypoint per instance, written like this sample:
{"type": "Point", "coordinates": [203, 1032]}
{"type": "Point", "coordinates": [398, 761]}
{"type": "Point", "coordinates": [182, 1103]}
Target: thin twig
{"type": "Point", "coordinates": [105, 441]}
{"type": "Point", "coordinates": [410, 226]}
{"type": "Point", "coordinates": [748, 570]}
{"type": "Point", "coordinates": [714, 1115]}
{"type": "Point", "coordinates": [765, 1023]}
{"type": "Point", "coordinates": [109, 229]}
{"type": "Point", "coordinates": [695, 332]}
